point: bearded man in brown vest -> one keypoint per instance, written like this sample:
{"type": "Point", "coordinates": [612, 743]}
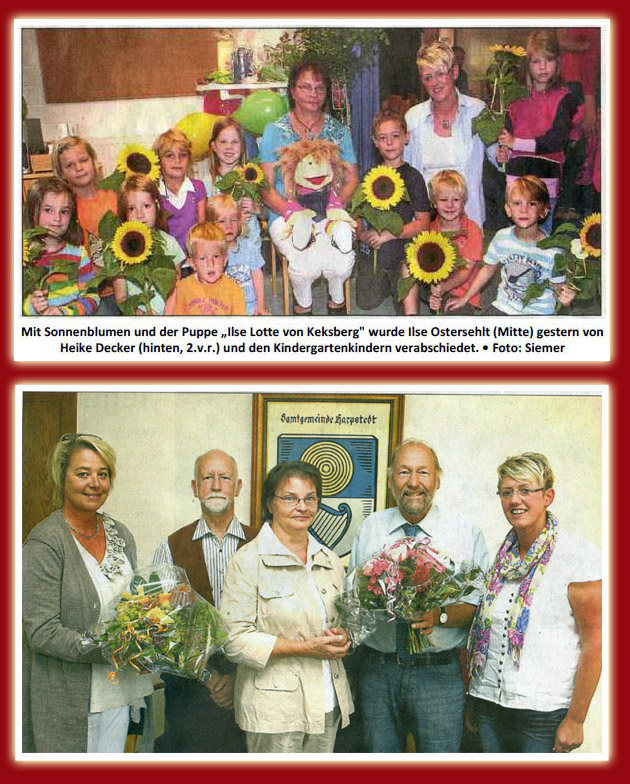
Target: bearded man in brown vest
{"type": "Point", "coordinates": [200, 716]}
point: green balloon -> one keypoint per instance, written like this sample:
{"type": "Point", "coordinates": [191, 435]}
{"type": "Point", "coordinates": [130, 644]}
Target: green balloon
{"type": "Point", "coordinates": [261, 108]}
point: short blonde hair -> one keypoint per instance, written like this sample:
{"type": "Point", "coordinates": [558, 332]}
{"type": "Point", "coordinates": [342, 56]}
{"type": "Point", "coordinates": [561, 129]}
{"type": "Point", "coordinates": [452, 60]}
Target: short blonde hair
{"type": "Point", "coordinates": [528, 467]}
{"type": "Point", "coordinates": [172, 138]}
{"type": "Point", "coordinates": [222, 201]}
{"type": "Point", "coordinates": [435, 54]}
{"type": "Point", "coordinates": [59, 459]}
{"type": "Point", "coordinates": [205, 232]}
{"type": "Point", "coordinates": [66, 144]}
{"type": "Point", "coordinates": [447, 178]}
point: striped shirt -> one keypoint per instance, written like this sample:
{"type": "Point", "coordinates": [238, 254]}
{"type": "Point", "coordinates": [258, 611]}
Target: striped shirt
{"type": "Point", "coordinates": [70, 273]}
{"type": "Point", "coordinates": [217, 553]}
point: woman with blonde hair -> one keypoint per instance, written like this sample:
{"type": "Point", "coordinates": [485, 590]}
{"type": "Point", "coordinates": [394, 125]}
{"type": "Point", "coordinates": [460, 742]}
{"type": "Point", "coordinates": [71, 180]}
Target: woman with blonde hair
{"type": "Point", "coordinates": [440, 129]}
{"type": "Point", "coordinates": [74, 563]}
{"type": "Point", "coordinates": [535, 642]}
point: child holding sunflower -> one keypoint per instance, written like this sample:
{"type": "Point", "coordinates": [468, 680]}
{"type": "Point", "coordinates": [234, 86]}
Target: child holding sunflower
{"type": "Point", "coordinates": [51, 206]}
{"type": "Point", "coordinates": [448, 193]}
{"type": "Point", "coordinates": [389, 134]}
{"type": "Point", "coordinates": [228, 153]}
{"type": "Point", "coordinates": [182, 197]}
{"type": "Point", "coordinates": [523, 264]}
{"type": "Point", "coordinates": [139, 200]}
{"type": "Point", "coordinates": [245, 261]}
{"type": "Point", "coordinates": [538, 127]}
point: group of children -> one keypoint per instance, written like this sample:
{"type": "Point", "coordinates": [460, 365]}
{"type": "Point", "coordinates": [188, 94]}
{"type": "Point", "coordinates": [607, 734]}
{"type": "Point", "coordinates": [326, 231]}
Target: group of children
{"type": "Point", "coordinates": [215, 242]}
{"type": "Point", "coordinates": [195, 231]}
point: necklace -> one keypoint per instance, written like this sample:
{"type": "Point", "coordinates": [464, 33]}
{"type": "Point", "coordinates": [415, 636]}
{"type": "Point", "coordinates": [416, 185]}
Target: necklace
{"type": "Point", "coordinates": [310, 134]}
{"type": "Point", "coordinates": [85, 536]}
{"type": "Point", "coordinates": [445, 122]}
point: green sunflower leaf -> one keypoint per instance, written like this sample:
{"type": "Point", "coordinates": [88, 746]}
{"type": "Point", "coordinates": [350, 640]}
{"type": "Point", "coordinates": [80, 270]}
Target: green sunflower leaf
{"type": "Point", "coordinates": [113, 181]}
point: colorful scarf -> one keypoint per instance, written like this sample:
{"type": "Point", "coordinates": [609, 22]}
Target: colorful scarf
{"type": "Point", "coordinates": [509, 566]}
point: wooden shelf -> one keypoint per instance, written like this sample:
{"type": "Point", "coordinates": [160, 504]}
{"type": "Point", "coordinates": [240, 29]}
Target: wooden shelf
{"type": "Point", "coordinates": [242, 87]}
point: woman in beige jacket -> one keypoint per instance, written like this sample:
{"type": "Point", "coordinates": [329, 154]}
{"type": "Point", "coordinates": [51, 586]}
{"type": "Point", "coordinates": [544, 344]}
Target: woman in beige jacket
{"type": "Point", "coordinates": [279, 604]}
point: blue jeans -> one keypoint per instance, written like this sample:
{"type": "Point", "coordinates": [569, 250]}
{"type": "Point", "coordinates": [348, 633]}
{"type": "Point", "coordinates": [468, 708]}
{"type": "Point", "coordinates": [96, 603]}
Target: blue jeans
{"type": "Point", "coordinates": [516, 730]}
{"type": "Point", "coordinates": [395, 699]}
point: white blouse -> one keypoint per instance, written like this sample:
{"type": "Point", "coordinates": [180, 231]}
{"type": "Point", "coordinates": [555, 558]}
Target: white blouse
{"type": "Point", "coordinates": [550, 653]}
{"type": "Point", "coordinates": [131, 688]}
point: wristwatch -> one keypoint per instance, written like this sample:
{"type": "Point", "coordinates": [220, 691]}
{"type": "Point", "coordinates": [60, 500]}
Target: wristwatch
{"type": "Point", "coordinates": [443, 617]}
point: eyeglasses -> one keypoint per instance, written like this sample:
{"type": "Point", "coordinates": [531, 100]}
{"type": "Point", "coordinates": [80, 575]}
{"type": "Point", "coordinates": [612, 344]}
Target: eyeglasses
{"type": "Point", "coordinates": [433, 77]}
{"type": "Point", "coordinates": [523, 492]}
{"type": "Point", "coordinates": [320, 89]}
{"type": "Point", "coordinates": [292, 500]}
{"type": "Point", "coordinates": [74, 436]}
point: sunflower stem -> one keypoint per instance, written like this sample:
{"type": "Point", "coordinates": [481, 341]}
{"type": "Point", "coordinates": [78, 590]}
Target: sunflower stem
{"type": "Point", "coordinates": [375, 260]}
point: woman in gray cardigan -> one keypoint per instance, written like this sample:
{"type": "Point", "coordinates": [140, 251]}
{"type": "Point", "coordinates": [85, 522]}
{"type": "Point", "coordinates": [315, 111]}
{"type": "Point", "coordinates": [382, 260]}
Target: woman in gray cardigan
{"type": "Point", "coordinates": [73, 564]}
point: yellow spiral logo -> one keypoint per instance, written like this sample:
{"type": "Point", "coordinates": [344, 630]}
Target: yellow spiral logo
{"type": "Point", "coordinates": [334, 464]}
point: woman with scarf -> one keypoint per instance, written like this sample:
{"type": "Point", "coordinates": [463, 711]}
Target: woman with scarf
{"type": "Point", "coordinates": [535, 642]}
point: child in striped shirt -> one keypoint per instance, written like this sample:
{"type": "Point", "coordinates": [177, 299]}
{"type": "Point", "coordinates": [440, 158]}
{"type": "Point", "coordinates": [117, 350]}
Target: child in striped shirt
{"type": "Point", "coordinates": [51, 205]}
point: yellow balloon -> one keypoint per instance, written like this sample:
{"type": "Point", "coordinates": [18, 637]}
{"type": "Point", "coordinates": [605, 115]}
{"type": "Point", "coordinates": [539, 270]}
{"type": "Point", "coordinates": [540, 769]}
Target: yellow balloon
{"type": "Point", "coordinates": [198, 128]}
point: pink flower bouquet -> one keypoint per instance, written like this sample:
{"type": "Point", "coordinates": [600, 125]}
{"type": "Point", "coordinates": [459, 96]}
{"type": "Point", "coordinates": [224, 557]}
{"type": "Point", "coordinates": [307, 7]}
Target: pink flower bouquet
{"type": "Point", "coordinates": [404, 580]}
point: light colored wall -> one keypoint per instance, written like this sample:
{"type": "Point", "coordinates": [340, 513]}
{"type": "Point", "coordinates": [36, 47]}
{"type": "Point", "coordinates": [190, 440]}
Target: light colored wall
{"type": "Point", "coordinates": [158, 435]}
{"type": "Point", "coordinates": [110, 125]}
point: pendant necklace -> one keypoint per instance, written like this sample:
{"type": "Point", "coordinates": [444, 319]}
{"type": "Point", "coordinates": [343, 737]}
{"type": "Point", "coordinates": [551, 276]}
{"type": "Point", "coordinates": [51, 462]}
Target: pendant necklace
{"type": "Point", "coordinates": [85, 536]}
{"type": "Point", "coordinates": [310, 134]}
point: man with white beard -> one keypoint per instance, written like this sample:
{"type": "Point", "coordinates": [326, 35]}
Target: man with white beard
{"type": "Point", "coordinates": [200, 717]}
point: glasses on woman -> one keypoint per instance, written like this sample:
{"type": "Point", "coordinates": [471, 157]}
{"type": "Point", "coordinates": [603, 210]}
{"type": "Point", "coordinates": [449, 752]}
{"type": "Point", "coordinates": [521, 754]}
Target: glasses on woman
{"type": "Point", "coordinates": [523, 491]}
{"type": "Point", "coordinates": [439, 74]}
{"type": "Point", "coordinates": [319, 89]}
{"type": "Point", "coordinates": [294, 500]}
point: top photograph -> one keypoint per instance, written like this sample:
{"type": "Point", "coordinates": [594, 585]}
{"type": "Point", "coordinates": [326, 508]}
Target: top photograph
{"type": "Point", "coordinates": [363, 171]}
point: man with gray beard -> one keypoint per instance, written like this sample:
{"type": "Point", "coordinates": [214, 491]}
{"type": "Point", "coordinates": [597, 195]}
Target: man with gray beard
{"type": "Point", "coordinates": [200, 716]}
{"type": "Point", "coordinates": [399, 691]}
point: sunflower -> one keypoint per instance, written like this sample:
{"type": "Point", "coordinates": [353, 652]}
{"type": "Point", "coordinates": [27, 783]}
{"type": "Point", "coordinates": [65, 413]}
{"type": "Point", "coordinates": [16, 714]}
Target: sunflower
{"type": "Point", "coordinates": [517, 51]}
{"type": "Point", "coordinates": [591, 235]}
{"type": "Point", "coordinates": [431, 257]}
{"type": "Point", "coordinates": [132, 243]}
{"type": "Point", "coordinates": [135, 159]}
{"type": "Point", "coordinates": [383, 187]}
{"type": "Point", "coordinates": [252, 173]}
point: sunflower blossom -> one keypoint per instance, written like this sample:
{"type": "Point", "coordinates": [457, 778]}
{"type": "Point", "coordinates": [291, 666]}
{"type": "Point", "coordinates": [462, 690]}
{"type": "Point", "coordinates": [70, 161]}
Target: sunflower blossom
{"type": "Point", "coordinates": [135, 159]}
{"type": "Point", "coordinates": [591, 235]}
{"type": "Point", "coordinates": [517, 51]}
{"type": "Point", "coordinates": [383, 187]}
{"type": "Point", "coordinates": [132, 243]}
{"type": "Point", "coordinates": [252, 173]}
{"type": "Point", "coordinates": [431, 257]}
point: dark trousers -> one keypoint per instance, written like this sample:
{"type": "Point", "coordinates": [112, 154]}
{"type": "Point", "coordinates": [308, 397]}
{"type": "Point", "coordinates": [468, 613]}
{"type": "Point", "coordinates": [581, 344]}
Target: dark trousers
{"type": "Point", "coordinates": [196, 724]}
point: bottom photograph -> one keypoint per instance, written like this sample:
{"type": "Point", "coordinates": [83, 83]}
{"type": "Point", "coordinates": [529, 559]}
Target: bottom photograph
{"type": "Point", "coordinates": [230, 572]}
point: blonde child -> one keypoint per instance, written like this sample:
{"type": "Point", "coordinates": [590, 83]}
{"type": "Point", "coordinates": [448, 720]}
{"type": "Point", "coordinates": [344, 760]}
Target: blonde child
{"type": "Point", "coordinates": [538, 127]}
{"type": "Point", "coordinates": [522, 263]}
{"type": "Point", "coordinates": [245, 262]}
{"type": "Point", "coordinates": [183, 198]}
{"type": "Point", "coordinates": [51, 205]}
{"type": "Point", "coordinates": [208, 292]}
{"type": "Point", "coordinates": [74, 161]}
{"type": "Point", "coordinates": [139, 199]}
{"type": "Point", "coordinates": [389, 134]}
{"type": "Point", "coordinates": [449, 194]}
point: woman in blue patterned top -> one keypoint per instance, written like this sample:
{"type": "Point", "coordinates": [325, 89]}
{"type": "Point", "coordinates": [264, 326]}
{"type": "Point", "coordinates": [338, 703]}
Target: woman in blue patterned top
{"type": "Point", "coordinates": [308, 90]}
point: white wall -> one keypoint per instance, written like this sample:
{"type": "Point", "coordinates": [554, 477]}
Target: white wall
{"type": "Point", "coordinates": [158, 435]}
